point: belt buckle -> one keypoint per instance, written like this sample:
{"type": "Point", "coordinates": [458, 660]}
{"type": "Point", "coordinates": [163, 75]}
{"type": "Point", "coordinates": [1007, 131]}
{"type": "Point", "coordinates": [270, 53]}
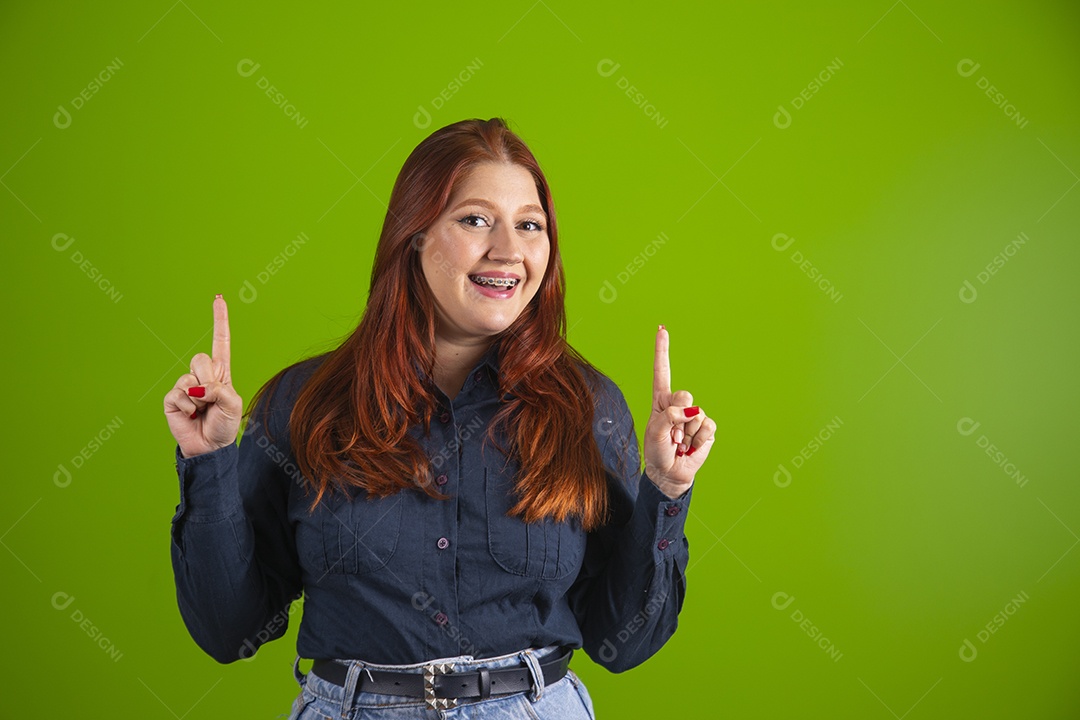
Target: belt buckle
{"type": "Point", "coordinates": [432, 670]}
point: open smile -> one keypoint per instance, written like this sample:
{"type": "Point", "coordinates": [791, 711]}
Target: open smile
{"type": "Point", "coordinates": [494, 287]}
{"type": "Point", "coordinates": [498, 282]}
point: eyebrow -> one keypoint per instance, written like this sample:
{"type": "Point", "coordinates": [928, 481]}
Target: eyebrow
{"type": "Point", "coordinates": [478, 201]}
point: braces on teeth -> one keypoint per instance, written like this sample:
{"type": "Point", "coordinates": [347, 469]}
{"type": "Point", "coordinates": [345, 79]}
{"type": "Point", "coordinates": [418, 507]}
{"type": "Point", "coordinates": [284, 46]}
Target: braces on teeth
{"type": "Point", "coordinates": [494, 282]}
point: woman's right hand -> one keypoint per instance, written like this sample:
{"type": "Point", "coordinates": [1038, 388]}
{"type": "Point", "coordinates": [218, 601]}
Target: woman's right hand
{"type": "Point", "coordinates": [203, 409]}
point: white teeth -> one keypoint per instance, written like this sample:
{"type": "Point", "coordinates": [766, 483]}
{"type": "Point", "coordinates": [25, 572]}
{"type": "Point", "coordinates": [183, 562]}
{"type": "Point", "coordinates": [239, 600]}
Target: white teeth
{"type": "Point", "coordinates": [493, 282]}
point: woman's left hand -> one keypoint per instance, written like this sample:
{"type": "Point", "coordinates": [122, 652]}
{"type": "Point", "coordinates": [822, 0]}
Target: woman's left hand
{"type": "Point", "coordinates": [679, 435]}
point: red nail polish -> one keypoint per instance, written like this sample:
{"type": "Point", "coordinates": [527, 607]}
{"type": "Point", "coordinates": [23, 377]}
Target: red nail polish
{"type": "Point", "coordinates": [691, 411]}
{"type": "Point", "coordinates": [196, 391]}
{"type": "Point", "coordinates": [194, 415]}
{"type": "Point", "coordinates": [691, 450]}
{"type": "Point", "coordinates": [679, 453]}
{"type": "Point", "coordinates": [661, 327]}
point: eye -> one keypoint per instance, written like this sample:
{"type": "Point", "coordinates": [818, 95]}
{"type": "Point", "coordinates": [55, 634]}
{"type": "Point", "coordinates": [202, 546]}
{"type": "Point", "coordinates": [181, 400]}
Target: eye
{"type": "Point", "coordinates": [464, 220]}
{"type": "Point", "coordinates": [469, 221]}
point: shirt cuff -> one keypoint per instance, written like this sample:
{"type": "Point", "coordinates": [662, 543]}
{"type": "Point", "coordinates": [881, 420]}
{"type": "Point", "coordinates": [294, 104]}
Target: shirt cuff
{"type": "Point", "coordinates": [658, 521]}
{"type": "Point", "coordinates": [209, 488]}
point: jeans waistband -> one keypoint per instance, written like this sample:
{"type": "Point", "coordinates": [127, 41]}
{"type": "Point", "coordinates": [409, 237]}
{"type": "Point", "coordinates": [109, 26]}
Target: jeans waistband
{"type": "Point", "coordinates": [334, 693]}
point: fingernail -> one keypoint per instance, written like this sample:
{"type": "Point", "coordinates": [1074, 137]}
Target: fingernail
{"type": "Point", "coordinates": [691, 411]}
{"type": "Point", "coordinates": [194, 414]}
{"type": "Point", "coordinates": [218, 295]}
{"type": "Point", "coordinates": [196, 391]}
{"type": "Point", "coordinates": [679, 453]}
{"type": "Point", "coordinates": [691, 450]}
{"type": "Point", "coordinates": [661, 327]}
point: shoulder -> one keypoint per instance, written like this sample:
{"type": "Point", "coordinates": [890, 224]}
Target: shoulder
{"type": "Point", "coordinates": [608, 400]}
{"type": "Point", "coordinates": [293, 377]}
{"type": "Point", "coordinates": [290, 380]}
{"type": "Point", "coordinates": [277, 396]}
{"type": "Point", "coordinates": [613, 423]}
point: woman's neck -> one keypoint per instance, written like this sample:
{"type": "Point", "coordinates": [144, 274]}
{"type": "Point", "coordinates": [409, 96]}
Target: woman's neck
{"type": "Point", "coordinates": [454, 359]}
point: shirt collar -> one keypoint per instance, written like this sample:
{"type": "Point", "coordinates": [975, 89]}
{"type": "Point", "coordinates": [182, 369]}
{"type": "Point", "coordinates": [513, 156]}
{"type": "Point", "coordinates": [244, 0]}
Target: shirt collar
{"type": "Point", "coordinates": [489, 358]}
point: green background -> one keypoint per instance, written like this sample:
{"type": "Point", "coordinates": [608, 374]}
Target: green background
{"type": "Point", "coordinates": [899, 179]}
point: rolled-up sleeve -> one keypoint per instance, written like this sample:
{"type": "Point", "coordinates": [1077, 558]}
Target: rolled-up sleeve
{"type": "Point", "coordinates": [233, 551]}
{"type": "Point", "coordinates": [630, 590]}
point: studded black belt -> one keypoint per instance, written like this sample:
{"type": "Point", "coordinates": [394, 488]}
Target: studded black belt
{"type": "Point", "coordinates": [440, 686]}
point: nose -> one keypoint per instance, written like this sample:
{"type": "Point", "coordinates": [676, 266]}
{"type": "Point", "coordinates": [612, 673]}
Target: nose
{"type": "Point", "coordinates": [505, 246]}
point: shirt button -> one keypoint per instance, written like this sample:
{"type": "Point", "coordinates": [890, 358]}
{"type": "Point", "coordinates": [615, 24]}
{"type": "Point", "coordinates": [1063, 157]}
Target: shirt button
{"type": "Point", "coordinates": [440, 618]}
{"type": "Point", "coordinates": [478, 376]}
{"type": "Point", "coordinates": [443, 543]}
{"type": "Point", "coordinates": [441, 480]}
{"type": "Point", "coordinates": [662, 544]}
{"type": "Point", "coordinates": [672, 510]}
{"type": "Point", "coordinates": [445, 417]}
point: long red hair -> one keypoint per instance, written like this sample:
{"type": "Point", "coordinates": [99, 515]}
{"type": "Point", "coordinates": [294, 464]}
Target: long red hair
{"type": "Point", "coordinates": [349, 424]}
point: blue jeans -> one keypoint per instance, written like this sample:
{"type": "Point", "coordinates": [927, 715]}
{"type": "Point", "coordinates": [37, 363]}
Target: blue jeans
{"type": "Point", "coordinates": [566, 699]}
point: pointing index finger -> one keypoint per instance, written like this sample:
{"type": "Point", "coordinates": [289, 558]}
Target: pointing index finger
{"type": "Point", "coordinates": [219, 352]}
{"type": "Point", "coordinates": [661, 365]}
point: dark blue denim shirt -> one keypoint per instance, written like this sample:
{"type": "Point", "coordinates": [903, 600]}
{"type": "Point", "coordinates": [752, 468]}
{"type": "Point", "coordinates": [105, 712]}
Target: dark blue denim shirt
{"type": "Point", "coordinates": [409, 578]}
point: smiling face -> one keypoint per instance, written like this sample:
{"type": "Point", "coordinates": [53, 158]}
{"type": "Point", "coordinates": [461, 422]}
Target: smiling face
{"type": "Point", "coordinates": [492, 232]}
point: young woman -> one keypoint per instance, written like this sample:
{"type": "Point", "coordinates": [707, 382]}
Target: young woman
{"type": "Point", "coordinates": [455, 492]}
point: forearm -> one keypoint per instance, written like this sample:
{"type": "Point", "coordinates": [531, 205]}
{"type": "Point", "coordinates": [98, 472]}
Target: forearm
{"type": "Point", "coordinates": [634, 603]}
{"type": "Point", "coordinates": [229, 604]}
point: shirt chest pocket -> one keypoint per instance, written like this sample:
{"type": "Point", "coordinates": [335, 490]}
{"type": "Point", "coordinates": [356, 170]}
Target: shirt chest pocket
{"type": "Point", "coordinates": [359, 535]}
{"type": "Point", "coordinates": [546, 549]}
